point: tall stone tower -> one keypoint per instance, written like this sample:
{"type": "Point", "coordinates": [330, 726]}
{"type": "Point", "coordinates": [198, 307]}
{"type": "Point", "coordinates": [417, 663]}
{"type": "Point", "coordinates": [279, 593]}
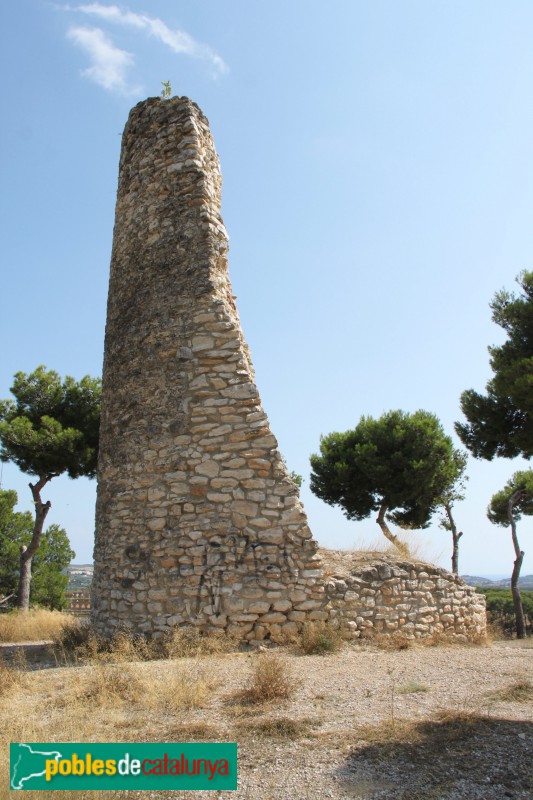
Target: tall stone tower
{"type": "Point", "coordinates": [197, 520]}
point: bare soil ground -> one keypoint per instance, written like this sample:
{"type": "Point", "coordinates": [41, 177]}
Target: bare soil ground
{"type": "Point", "coordinates": [364, 723]}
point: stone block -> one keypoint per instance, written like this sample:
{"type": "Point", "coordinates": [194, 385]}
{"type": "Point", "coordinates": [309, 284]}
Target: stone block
{"type": "Point", "coordinates": [281, 605]}
{"type": "Point", "coordinates": [273, 618]}
{"type": "Point", "coordinates": [258, 607]}
{"type": "Point", "coordinates": [209, 468]}
{"type": "Point", "coordinates": [245, 508]}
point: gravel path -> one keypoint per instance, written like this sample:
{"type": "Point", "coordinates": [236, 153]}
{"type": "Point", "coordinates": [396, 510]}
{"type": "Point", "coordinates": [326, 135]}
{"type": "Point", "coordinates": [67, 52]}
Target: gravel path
{"type": "Point", "coordinates": [364, 723]}
{"type": "Point", "coordinates": [418, 724]}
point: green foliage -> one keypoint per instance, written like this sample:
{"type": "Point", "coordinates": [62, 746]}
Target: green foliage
{"type": "Point", "coordinates": [54, 555]}
{"type": "Point", "coordinates": [500, 423]}
{"type": "Point", "coordinates": [52, 426]}
{"type": "Point", "coordinates": [167, 90]}
{"type": "Point", "coordinates": [500, 605]}
{"type": "Point", "coordinates": [402, 460]}
{"type": "Point", "coordinates": [521, 482]}
{"type": "Point", "coordinates": [455, 491]}
{"type": "Point", "coordinates": [297, 479]}
{"type": "Point", "coordinates": [14, 528]}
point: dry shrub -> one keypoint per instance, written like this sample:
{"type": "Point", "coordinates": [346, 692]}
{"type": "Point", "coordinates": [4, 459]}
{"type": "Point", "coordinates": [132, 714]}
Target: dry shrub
{"type": "Point", "coordinates": [110, 685]}
{"type": "Point", "coordinates": [521, 691]}
{"type": "Point", "coordinates": [279, 727]}
{"type": "Point", "coordinates": [72, 635]}
{"type": "Point", "coordinates": [438, 638]}
{"type": "Point", "coordinates": [392, 641]}
{"type": "Point", "coordinates": [189, 642]}
{"type": "Point", "coordinates": [74, 643]}
{"type": "Point", "coordinates": [184, 687]}
{"type": "Point", "coordinates": [195, 732]}
{"type": "Point", "coordinates": [440, 730]}
{"type": "Point", "coordinates": [35, 625]}
{"type": "Point", "coordinates": [11, 678]}
{"type": "Point", "coordinates": [449, 726]}
{"type": "Point", "coordinates": [399, 640]}
{"type": "Point", "coordinates": [411, 548]}
{"type": "Point", "coordinates": [319, 639]}
{"type": "Point", "coordinates": [86, 645]}
{"type": "Point", "coordinates": [481, 639]}
{"type": "Point", "coordinates": [124, 646]}
{"type": "Point", "coordinates": [271, 679]}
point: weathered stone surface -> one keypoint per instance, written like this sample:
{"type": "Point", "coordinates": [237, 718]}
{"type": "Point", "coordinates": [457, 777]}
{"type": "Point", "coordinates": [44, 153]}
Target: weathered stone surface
{"type": "Point", "coordinates": [181, 414]}
{"type": "Point", "coordinates": [197, 521]}
{"type": "Point", "coordinates": [405, 602]}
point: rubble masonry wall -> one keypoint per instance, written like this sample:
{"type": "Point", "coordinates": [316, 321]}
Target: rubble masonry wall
{"type": "Point", "coordinates": [198, 521]}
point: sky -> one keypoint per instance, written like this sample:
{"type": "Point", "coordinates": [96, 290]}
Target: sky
{"type": "Point", "coordinates": [378, 191]}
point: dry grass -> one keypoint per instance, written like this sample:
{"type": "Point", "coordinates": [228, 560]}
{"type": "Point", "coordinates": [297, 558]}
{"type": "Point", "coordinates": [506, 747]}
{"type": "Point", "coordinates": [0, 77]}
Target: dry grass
{"type": "Point", "coordinates": [281, 741]}
{"type": "Point", "coordinates": [101, 702]}
{"type": "Point", "coordinates": [184, 687]}
{"type": "Point", "coordinates": [440, 729]}
{"type": "Point", "coordinates": [35, 625]}
{"type": "Point", "coordinates": [83, 645]}
{"type": "Point", "coordinates": [319, 639]}
{"type": "Point", "coordinates": [196, 732]}
{"type": "Point", "coordinates": [271, 679]}
{"type": "Point", "coordinates": [279, 727]}
{"type": "Point", "coordinates": [418, 550]}
{"type": "Point", "coordinates": [108, 686]}
{"type": "Point", "coordinates": [413, 687]}
{"type": "Point", "coordinates": [11, 679]}
{"type": "Point", "coordinates": [115, 686]}
{"type": "Point", "coordinates": [189, 642]}
{"type": "Point", "coordinates": [392, 641]}
{"type": "Point", "coordinates": [400, 641]}
{"type": "Point", "coordinates": [520, 691]}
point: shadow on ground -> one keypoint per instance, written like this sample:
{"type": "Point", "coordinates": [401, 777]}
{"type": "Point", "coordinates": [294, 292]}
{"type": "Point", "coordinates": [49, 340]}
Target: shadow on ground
{"type": "Point", "coordinates": [454, 756]}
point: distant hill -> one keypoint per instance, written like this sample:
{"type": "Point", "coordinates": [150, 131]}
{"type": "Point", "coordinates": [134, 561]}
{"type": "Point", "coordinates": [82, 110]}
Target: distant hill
{"type": "Point", "coordinates": [80, 576]}
{"type": "Point", "coordinates": [525, 582]}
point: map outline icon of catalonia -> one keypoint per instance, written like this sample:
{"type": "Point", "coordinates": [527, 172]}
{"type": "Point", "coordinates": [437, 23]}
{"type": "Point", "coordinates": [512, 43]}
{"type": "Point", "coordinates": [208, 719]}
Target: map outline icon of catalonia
{"type": "Point", "coordinates": [16, 781]}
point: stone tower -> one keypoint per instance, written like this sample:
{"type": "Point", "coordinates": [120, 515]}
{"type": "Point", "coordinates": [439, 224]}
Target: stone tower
{"type": "Point", "coordinates": [197, 520]}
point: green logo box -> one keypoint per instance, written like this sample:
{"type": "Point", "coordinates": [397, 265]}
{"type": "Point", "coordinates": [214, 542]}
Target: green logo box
{"type": "Point", "coordinates": [122, 767]}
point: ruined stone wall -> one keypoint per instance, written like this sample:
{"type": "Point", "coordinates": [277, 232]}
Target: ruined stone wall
{"type": "Point", "coordinates": [384, 595]}
{"type": "Point", "coordinates": [197, 520]}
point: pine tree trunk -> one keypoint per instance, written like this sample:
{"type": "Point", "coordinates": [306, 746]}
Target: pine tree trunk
{"type": "Point", "coordinates": [517, 598]}
{"type": "Point", "coordinates": [456, 535]}
{"type": "Point", "coordinates": [26, 554]}
{"type": "Point", "coordinates": [515, 591]}
{"type": "Point", "coordinates": [23, 595]}
{"type": "Point", "coordinates": [380, 519]}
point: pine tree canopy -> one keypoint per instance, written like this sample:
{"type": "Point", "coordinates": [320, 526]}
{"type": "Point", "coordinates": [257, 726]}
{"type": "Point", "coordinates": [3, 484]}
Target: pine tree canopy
{"type": "Point", "coordinates": [498, 510]}
{"type": "Point", "coordinates": [500, 422]}
{"type": "Point", "coordinates": [401, 461]}
{"type": "Point", "coordinates": [52, 425]}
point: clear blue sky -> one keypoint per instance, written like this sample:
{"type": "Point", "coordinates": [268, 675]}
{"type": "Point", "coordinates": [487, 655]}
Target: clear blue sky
{"type": "Point", "coordinates": [378, 189]}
